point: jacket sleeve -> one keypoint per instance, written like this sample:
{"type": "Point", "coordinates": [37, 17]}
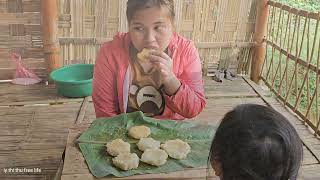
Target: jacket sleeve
{"type": "Point", "coordinates": [104, 93]}
{"type": "Point", "coordinates": [189, 100]}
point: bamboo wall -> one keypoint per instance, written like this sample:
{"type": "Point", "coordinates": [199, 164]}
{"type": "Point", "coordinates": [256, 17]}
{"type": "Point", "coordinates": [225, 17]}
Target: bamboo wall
{"type": "Point", "coordinates": [221, 29]}
{"type": "Point", "coordinates": [20, 30]}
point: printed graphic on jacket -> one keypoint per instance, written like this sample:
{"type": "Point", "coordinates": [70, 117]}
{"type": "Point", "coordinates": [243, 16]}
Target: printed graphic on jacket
{"type": "Point", "coordinates": [146, 99]}
{"type": "Point", "coordinates": [145, 91]}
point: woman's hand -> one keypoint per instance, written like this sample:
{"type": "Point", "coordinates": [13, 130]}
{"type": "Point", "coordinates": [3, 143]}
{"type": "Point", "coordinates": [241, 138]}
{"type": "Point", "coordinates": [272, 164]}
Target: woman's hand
{"type": "Point", "coordinates": [163, 64]}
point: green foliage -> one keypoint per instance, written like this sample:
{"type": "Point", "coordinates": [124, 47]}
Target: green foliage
{"type": "Point", "coordinates": [308, 5]}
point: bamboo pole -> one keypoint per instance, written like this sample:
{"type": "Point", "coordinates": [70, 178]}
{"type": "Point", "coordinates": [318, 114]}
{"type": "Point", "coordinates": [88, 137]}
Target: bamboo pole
{"type": "Point", "coordinates": [49, 24]}
{"type": "Point", "coordinates": [259, 36]}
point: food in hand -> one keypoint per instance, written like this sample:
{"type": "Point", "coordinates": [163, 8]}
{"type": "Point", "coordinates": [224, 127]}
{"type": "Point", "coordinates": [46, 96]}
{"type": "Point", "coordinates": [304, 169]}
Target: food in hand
{"type": "Point", "coordinates": [176, 149]}
{"type": "Point", "coordinates": [139, 132]}
{"type": "Point", "coordinates": [126, 161]}
{"type": "Point", "coordinates": [143, 54]}
{"type": "Point", "coordinates": [148, 143]}
{"type": "Point", "coordinates": [155, 157]}
{"type": "Point", "coordinates": [118, 146]}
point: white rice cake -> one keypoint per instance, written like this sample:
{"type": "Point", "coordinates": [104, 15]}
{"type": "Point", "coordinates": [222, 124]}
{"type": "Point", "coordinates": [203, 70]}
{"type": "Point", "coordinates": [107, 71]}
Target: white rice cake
{"type": "Point", "coordinates": [139, 132]}
{"type": "Point", "coordinates": [155, 157]}
{"type": "Point", "coordinates": [118, 146]}
{"type": "Point", "coordinates": [176, 149]}
{"type": "Point", "coordinates": [142, 55]}
{"type": "Point", "coordinates": [126, 161]}
{"type": "Point", "coordinates": [148, 143]}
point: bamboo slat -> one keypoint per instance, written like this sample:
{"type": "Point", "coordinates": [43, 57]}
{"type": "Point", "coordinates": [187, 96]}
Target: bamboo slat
{"type": "Point", "coordinates": [309, 57]}
{"type": "Point", "coordinates": [289, 49]}
{"type": "Point", "coordinates": [297, 54]}
{"type": "Point", "coordinates": [29, 95]}
{"type": "Point", "coordinates": [20, 18]}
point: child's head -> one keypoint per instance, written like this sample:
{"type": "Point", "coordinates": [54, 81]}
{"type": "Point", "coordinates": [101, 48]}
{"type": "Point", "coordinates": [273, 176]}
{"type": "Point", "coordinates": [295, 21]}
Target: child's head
{"type": "Point", "coordinates": [255, 142]}
{"type": "Point", "coordinates": [150, 23]}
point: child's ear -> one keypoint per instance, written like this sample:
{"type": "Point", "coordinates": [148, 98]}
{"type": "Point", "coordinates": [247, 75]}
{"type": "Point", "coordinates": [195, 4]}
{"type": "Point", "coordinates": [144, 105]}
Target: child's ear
{"type": "Point", "coordinates": [217, 167]}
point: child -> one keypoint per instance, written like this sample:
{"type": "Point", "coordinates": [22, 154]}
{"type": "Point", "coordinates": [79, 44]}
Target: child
{"type": "Point", "coordinates": [166, 83]}
{"type": "Point", "coordinates": [255, 142]}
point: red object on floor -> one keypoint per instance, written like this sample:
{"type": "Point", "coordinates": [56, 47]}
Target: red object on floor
{"type": "Point", "coordinates": [23, 76]}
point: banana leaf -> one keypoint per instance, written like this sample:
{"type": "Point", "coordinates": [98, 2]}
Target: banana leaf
{"type": "Point", "coordinates": [92, 143]}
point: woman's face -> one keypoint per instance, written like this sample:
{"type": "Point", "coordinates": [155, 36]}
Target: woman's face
{"type": "Point", "coordinates": [151, 28]}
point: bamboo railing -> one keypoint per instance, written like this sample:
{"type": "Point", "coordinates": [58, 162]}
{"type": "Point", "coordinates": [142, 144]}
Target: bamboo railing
{"type": "Point", "coordinates": [292, 65]}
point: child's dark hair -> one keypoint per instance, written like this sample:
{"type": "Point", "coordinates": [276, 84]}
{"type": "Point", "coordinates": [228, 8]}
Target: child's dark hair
{"type": "Point", "coordinates": [135, 5]}
{"type": "Point", "coordinates": [255, 142]}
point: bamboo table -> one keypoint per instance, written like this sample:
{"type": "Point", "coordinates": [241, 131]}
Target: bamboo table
{"type": "Point", "coordinates": [75, 167]}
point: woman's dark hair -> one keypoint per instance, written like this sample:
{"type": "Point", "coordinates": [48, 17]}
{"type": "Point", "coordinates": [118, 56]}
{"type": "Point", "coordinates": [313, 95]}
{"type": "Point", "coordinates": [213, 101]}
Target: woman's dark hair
{"type": "Point", "coordinates": [134, 5]}
{"type": "Point", "coordinates": [255, 142]}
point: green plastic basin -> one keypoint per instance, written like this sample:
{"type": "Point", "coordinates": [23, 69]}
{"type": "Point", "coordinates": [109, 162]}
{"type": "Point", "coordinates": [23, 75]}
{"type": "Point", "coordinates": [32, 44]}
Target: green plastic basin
{"type": "Point", "coordinates": [73, 80]}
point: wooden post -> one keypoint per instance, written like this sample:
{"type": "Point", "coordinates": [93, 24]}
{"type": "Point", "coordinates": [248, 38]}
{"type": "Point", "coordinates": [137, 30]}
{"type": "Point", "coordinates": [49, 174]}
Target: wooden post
{"type": "Point", "coordinates": [49, 24]}
{"type": "Point", "coordinates": [259, 50]}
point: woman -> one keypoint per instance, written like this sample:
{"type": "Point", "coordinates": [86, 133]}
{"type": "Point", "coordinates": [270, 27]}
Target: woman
{"type": "Point", "coordinates": [166, 84]}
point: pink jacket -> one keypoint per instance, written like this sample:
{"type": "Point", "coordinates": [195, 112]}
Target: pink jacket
{"type": "Point", "coordinates": [112, 73]}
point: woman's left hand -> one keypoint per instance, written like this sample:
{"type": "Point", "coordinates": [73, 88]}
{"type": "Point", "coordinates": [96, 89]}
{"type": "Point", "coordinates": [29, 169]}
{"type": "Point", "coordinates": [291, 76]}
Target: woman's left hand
{"type": "Point", "coordinates": [163, 64]}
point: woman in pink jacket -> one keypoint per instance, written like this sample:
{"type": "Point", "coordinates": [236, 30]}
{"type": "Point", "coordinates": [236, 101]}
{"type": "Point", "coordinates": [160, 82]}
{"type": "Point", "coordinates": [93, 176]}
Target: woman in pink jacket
{"type": "Point", "coordinates": [164, 83]}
